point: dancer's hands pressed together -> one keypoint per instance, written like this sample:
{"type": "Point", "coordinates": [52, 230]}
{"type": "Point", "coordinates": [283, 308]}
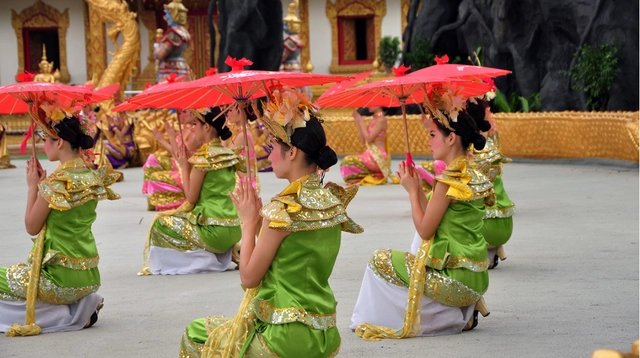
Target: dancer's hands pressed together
{"type": "Point", "coordinates": [182, 157]}
{"type": "Point", "coordinates": [35, 173]}
{"type": "Point", "coordinates": [247, 202]}
{"type": "Point", "coordinates": [409, 179]}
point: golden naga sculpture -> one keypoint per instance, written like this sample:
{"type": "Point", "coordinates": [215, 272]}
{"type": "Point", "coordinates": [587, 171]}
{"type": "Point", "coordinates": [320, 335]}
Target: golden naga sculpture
{"type": "Point", "coordinates": [123, 62]}
{"type": "Point", "coordinates": [46, 67]}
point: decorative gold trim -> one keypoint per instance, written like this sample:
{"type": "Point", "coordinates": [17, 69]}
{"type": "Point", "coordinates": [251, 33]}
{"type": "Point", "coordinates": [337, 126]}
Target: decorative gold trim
{"type": "Point", "coordinates": [41, 15]}
{"type": "Point", "coordinates": [404, 10]}
{"type": "Point", "coordinates": [95, 39]}
{"type": "Point", "coordinates": [543, 135]}
{"type": "Point", "coordinates": [148, 74]}
{"type": "Point", "coordinates": [305, 54]}
{"type": "Point", "coordinates": [377, 8]}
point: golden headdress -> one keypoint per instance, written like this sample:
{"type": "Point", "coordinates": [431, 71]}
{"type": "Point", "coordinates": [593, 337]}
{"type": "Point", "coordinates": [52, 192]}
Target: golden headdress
{"type": "Point", "coordinates": [286, 110]}
{"type": "Point", "coordinates": [49, 114]}
{"type": "Point", "coordinates": [291, 19]}
{"type": "Point", "coordinates": [441, 98]}
{"type": "Point", "coordinates": [177, 11]}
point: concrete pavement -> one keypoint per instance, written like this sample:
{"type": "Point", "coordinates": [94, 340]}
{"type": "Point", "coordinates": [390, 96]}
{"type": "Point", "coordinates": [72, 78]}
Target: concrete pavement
{"type": "Point", "coordinates": [568, 287]}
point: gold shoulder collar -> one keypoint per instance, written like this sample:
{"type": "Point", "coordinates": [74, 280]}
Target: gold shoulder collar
{"type": "Point", "coordinates": [490, 155]}
{"type": "Point", "coordinates": [213, 156]}
{"type": "Point", "coordinates": [305, 205]}
{"type": "Point", "coordinates": [65, 189]}
{"type": "Point", "coordinates": [465, 181]}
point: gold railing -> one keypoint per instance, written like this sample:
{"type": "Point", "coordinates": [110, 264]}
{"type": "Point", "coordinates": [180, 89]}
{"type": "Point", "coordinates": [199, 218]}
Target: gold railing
{"type": "Point", "coordinates": [543, 135]}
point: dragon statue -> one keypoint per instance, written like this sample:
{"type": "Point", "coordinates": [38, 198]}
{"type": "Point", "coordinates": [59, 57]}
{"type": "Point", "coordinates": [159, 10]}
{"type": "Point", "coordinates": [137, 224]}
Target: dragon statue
{"type": "Point", "coordinates": [123, 65]}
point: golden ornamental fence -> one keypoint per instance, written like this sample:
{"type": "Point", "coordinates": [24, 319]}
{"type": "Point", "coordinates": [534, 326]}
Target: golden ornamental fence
{"type": "Point", "coordinates": [539, 135]}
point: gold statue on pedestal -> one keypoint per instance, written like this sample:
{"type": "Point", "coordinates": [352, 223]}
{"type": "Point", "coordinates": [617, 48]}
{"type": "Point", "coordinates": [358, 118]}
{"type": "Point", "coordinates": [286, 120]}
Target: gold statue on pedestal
{"type": "Point", "coordinates": [46, 67]}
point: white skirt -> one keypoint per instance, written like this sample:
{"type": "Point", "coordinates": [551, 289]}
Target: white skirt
{"type": "Point", "coordinates": [164, 261]}
{"type": "Point", "coordinates": [51, 318]}
{"type": "Point", "coordinates": [382, 303]}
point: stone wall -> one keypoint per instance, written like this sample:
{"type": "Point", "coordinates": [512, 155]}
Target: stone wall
{"type": "Point", "coordinates": [536, 39]}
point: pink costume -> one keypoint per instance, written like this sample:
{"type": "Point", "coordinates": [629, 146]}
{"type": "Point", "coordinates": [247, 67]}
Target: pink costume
{"type": "Point", "coordinates": [163, 182]}
{"type": "Point", "coordinates": [373, 167]}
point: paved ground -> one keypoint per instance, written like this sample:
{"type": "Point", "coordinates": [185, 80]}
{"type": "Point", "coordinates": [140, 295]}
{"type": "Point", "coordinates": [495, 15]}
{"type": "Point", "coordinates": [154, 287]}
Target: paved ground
{"type": "Point", "coordinates": [569, 286]}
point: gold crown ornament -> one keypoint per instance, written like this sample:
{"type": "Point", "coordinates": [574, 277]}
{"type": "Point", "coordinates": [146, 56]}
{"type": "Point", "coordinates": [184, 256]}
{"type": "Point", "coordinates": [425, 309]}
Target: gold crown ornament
{"type": "Point", "coordinates": [440, 98]}
{"type": "Point", "coordinates": [49, 114]}
{"type": "Point", "coordinates": [285, 111]}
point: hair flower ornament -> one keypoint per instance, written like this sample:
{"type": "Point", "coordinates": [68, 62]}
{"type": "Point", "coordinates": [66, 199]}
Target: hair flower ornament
{"type": "Point", "coordinates": [285, 111]}
{"type": "Point", "coordinates": [442, 98]}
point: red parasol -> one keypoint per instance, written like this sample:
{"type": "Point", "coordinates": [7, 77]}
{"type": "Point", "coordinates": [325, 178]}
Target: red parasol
{"type": "Point", "coordinates": [15, 97]}
{"type": "Point", "coordinates": [399, 91]}
{"type": "Point", "coordinates": [226, 88]}
{"type": "Point", "coordinates": [341, 86]}
{"type": "Point", "coordinates": [235, 87]}
{"type": "Point", "coordinates": [467, 72]}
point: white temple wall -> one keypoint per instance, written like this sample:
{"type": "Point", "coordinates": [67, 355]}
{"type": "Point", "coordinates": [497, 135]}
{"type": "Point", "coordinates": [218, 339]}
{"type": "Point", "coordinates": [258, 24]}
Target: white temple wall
{"type": "Point", "coordinates": [320, 30]}
{"type": "Point", "coordinates": [76, 57]}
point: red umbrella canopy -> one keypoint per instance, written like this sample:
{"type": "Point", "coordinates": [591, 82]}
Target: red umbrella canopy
{"type": "Point", "coordinates": [341, 86]}
{"type": "Point", "coordinates": [399, 90]}
{"type": "Point", "coordinates": [16, 97]}
{"type": "Point", "coordinates": [467, 72]}
{"type": "Point", "coordinates": [225, 88]}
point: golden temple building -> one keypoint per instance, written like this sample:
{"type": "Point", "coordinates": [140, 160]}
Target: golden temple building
{"type": "Point", "coordinates": [111, 41]}
{"type": "Point", "coordinates": [340, 36]}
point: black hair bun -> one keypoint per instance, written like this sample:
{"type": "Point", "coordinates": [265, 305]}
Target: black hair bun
{"type": "Point", "coordinates": [326, 158]}
{"type": "Point", "coordinates": [477, 111]}
{"type": "Point", "coordinates": [224, 133]}
{"type": "Point", "coordinates": [85, 142]}
{"type": "Point", "coordinates": [479, 142]}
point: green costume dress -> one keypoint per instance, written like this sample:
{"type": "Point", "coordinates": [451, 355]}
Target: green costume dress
{"type": "Point", "coordinates": [292, 312]}
{"type": "Point", "coordinates": [498, 222]}
{"type": "Point", "coordinates": [198, 238]}
{"type": "Point", "coordinates": [69, 257]}
{"type": "Point", "coordinates": [455, 259]}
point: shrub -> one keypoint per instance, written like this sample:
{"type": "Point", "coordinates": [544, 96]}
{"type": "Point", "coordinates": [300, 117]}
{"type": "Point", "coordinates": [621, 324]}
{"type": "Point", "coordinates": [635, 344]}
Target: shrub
{"type": "Point", "coordinates": [594, 71]}
{"type": "Point", "coordinates": [517, 103]}
{"type": "Point", "coordinates": [389, 51]}
{"type": "Point", "coordinates": [421, 54]}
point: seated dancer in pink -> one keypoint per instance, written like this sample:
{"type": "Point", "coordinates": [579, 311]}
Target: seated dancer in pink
{"type": "Point", "coordinates": [162, 181]}
{"type": "Point", "coordinates": [373, 167]}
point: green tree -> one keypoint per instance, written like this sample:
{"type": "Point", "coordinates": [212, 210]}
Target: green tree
{"type": "Point", "coordinates": [421, 54]}
{"type": "Point", "coordinates": [389, 51]}
{"type": "Point", "coordinates": [594, 71]}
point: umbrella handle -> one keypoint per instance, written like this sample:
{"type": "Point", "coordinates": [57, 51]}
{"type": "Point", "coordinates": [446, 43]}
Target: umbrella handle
{"type": "Point", "coordinates": [246, 141]}
{"type": "Point", "coordinates": [33, 141]}
{"type": "Point", "coordinates": [410, 163]}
